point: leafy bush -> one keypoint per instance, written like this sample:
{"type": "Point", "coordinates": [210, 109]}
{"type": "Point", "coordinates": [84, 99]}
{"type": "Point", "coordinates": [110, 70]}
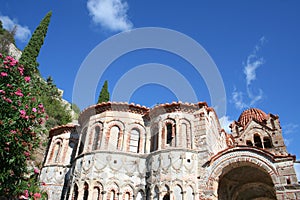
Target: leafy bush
{"type": "Point", "coordinates": [21, 119]}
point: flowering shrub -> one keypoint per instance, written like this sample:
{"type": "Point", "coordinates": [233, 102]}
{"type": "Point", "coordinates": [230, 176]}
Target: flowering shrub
{"type": "Point", "coordinates": [21, 120]}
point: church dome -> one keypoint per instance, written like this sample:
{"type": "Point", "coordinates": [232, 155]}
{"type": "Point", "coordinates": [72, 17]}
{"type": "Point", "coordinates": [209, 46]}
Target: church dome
{"type": "Point", "coordinates": [250, 114]}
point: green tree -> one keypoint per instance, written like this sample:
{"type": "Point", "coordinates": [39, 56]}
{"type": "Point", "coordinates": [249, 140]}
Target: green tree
{"type": "Point", "coordinates": [104, 94]}
{"type": "Point", "coordinates": [32, 49]}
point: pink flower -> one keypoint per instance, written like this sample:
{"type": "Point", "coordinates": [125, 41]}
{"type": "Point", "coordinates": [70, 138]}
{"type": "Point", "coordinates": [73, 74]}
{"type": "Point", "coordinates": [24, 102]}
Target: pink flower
{"type": "Point", "coordinates": [36, 171]}
{"type": "Point", "coordinates": [40, 105]}
{"type": "Point", "coordinates": [13, 62]}
{"type": "Point", "coordinates": [26, 153]}
{"type": "Point", "coordinates": [19, 93]}
{"type": "Point", "coordinates": [27, 79]}
{"type": "Point", "coordinates": [3, 74]}
{"type": "Point", "coordinates": [26, 193]}
{"type": "Point", "coordinates": [37, 195]}
{"type": "Point", "coordinates": [8, 100]}
{"type": "Point", "coordinates": [8, 85]}
{"type": "Point", "coordinates": [2, 91]}
{"type": "Point", "coordinates": [33, 109]}
{"type": "Point", "coordinates": [21, 70]}
{"type": "Point", "coordinates": [22, 112]}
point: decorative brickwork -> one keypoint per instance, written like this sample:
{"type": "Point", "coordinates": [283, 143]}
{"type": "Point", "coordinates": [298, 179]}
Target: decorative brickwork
{"type": "Point", "coordinates": [173, 151]}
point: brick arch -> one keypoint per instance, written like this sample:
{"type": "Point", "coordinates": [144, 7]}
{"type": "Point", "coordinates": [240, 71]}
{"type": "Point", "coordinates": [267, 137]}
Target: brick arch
{"type": "Point", "coordinates": [187, 138]}
{"type": "Point", "coordinates": [168, 138]}
{"type": "Point", "coordinates": [239, 158]}
{"type": "Point", "coordinates": [113, 186]}
{"type": "Point", "coordinates": [142, 136]}
{"type": "Point", "coordinates": [55, 158]}
{"type": "Point", "coordinates": [97, 190]}
{"type": "Point", "coordinates": [128, 189]}
{"type": "Point", "coordinates": [121, 126]}
{"type": "Point", "coordinates": [94, 138]}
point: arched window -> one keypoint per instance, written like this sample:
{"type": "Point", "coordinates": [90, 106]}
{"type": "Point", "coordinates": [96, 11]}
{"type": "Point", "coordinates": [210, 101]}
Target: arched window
{"type": "Point", "coordinates": [156, 193]}
{"type": "Point", "coordinates": [134, 142]}
{"type": "Point", "coordinates": [267, 142]}
{"type": "Point", "coordinates": [111, 195]}
{"type": "Point", "coordinates": [75, 192]}
{"type": "Point", "coordinates": [127, 196]}
{"type": "Point", "coordinates": [140, 195]}
{"type": "Point", "coordinates": [85, 191]}
{"type": "Point", "coordinates": [169, 133]}
{"type": "Point", "coordinates": [56, 151]}
{"type": "Point", "coordinates": [178, 192]}
{"type": "Point", "coordinates": [183, 136]}
{"type": "Point", "coordinates": [97, 138]}
{"type": "Point", "coordinates": [189, 193]}
{"type": "Point", "coordinates": [249, 143]}
{"type": "Point", "coordinates": [166, 196]}
{"type": "Point", "coordinates": [113, 138]}
{"type": "Point", "coordinates": [257, 141]}
{"type": "Point", "coordinates": [97, 193]}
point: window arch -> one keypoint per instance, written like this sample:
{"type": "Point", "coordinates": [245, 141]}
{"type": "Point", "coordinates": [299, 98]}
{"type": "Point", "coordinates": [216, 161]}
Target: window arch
{"type": "Point", "coordinates": [189, 193]}
{"type": "Point", "coordinates": [56, 150]}
{"type": "Point", "coordinates": [267, 142]}
{"type": "Point", "coordinates": [111, 195]}
{"type": "Point", "coordinates": [134, 141]}
{"type": "Point", "coordinates": [169, 133]}
{"type": "Point", "coordinates": [156, 193]}
{"type": "Point", "coordinates": [97, 193]}
{"type": "Point", "coordinates": [177, 192]}
{"type": "Point", "coordinates": [140, 195]}
{"type": "Point", "coordinates": [97, 138]}
{"type": "Point", "coordinates": [184, 136]}
{"type": "Point", "coordinates": [114, 135]}
{"type": "Point", "coordinates": [257, 141]}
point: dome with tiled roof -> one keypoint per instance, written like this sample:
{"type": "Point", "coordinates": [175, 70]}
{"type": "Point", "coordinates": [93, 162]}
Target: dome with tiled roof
{"type": "Point", "coordinates": [250, 114]}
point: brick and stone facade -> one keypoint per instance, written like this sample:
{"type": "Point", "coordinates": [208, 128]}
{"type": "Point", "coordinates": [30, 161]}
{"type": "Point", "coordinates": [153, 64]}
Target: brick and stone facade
{"type": "Point", "coordinates": [172, 151]}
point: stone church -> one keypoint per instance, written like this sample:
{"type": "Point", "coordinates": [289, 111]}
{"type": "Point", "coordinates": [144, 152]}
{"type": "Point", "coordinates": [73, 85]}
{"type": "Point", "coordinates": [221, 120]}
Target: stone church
{"type": "Point", "coordinates": [176, 151]}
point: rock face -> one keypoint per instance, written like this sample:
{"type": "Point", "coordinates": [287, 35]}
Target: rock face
{"type": "Point", "coordinates": [172, 151]}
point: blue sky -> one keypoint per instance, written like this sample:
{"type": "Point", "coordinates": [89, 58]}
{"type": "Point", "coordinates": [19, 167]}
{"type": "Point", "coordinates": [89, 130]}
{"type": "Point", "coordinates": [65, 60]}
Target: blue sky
{"type": "Point", "coordinates": [254, 44]}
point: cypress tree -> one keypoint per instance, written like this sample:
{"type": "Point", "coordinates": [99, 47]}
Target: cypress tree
{"type": "Point", "coordinates": [32, 50]}
{"type": "Point", "coordinates": [104, 94]}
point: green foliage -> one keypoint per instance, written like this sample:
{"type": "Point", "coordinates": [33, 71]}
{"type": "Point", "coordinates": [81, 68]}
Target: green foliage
{"type": "Point", "coordinates": [76, 111]}
{"type": "Point", "coordinates": [21, 119]}
{"type": "Point", "coordinates": [6, 37]}
{"type": "Point", "coordinates": [32, 50]}
{"type": "Point", "coordinates": [104, 94]}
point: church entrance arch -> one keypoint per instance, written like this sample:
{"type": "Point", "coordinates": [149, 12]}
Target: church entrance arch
{"type": "Point", "coordinates": [243, 181]}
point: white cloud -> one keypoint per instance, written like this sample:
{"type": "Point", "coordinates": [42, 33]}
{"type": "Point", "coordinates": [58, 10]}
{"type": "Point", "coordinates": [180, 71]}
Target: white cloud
{"type": "Point", "coordinates": [22, 33]}
{"type": "Point", "coordinates": [110, 14]}
{"type": "Point", "coordinates": [289, 128]}
{"type": "Point", "coordinates": [253, 62]}
{"type": "Point", "coordinates": [225, 122]}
